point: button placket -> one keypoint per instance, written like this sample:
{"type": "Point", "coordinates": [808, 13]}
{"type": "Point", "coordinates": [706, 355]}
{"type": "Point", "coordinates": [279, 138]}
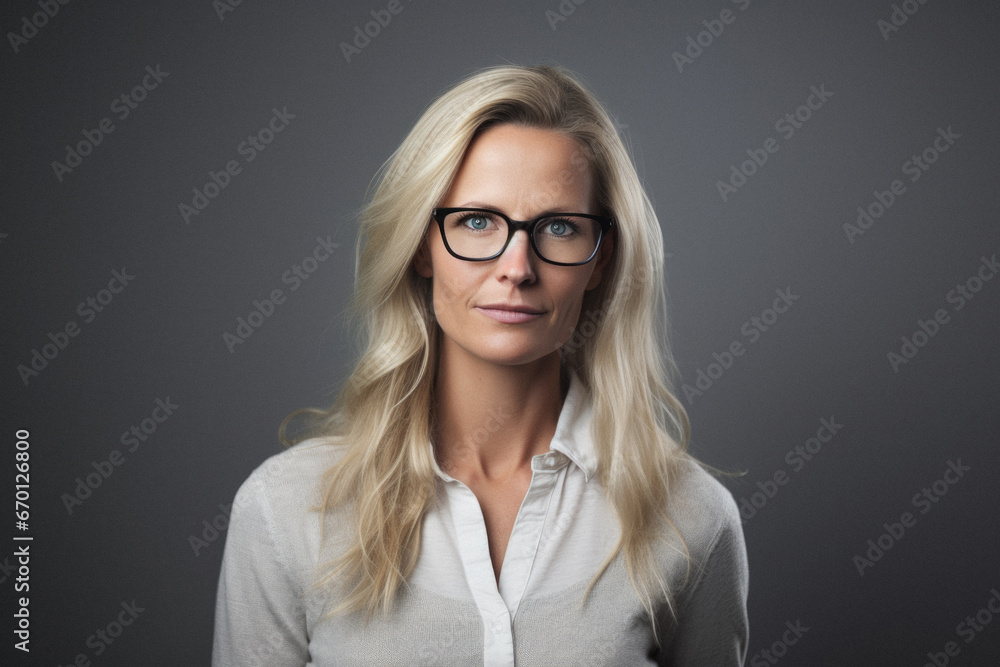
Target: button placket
{"type": "Point", "coordinates": [473, 546]}
{"type": "Point", "coordinates": [524, 540]}
{"type": "Point", "coordinates": [501, 624]}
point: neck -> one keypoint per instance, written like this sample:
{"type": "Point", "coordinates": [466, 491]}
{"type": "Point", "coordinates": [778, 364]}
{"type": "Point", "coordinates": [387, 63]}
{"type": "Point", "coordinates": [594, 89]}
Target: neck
{"type": "Point", "coordinates": [492, 419]}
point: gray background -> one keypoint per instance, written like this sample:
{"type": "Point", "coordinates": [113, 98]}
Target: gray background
{"type": "Point", "coordinates": [162, 336]}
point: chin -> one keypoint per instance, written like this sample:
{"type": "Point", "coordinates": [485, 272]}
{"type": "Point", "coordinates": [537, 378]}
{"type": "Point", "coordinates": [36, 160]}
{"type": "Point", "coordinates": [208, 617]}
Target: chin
{"type": "Point", "coordinates": [516, 356]}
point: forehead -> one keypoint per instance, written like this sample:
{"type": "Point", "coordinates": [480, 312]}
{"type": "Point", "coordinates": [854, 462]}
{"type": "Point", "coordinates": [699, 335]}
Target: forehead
{"type": "Point", "coordinates": [524, 167]}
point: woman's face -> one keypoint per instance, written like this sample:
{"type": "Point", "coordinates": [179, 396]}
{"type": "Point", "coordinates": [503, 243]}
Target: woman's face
{"type": "Point", "coordinates": [522, 172]}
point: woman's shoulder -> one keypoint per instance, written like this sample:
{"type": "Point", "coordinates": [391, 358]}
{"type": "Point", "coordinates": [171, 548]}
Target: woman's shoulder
{"type": "Point", "coordinates": [703, 509]}
{"type": "Point", "coordinates": [291, 479]}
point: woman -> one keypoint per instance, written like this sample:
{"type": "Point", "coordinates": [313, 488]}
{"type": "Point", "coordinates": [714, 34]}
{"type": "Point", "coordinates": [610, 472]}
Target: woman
{"type": "Point", "coordinates": [504, 479]}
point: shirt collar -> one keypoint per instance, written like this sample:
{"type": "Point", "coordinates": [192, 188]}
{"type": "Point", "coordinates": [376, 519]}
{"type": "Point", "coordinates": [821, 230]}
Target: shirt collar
{"type": "Point", "coordinates": [572, 436]}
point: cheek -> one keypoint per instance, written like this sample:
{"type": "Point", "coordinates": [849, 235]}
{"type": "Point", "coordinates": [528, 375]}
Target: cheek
{"type": "Point", "coordinates": [451, 289]}
{"type": "Point", "coordinates": [567, 318]}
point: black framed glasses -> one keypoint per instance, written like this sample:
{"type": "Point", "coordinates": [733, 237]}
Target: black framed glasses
{"type": "Point", "coordinates": [482, 234]}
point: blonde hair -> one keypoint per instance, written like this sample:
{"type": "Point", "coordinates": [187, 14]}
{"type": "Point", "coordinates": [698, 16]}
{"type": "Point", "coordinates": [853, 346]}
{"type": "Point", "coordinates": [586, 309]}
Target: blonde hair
{"type": "Point", "coordinates": [383, 414]}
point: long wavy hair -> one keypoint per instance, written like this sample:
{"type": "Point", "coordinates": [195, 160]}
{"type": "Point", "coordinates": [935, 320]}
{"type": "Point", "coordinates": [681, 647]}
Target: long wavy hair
{"type": "Point", "coordinates": [383, 417]}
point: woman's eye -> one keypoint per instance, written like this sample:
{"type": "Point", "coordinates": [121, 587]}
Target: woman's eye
{"type": "Point", "coordinates": [559, 227]}
{"type": "Point", "coordinates": [477, 222]}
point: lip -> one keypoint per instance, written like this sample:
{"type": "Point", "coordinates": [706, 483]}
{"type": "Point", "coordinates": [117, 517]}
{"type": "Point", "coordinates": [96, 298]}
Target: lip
{"type": "Point", "coordinates": [512, 307]}
{"type": "Point", "coordinates": [509, 314]}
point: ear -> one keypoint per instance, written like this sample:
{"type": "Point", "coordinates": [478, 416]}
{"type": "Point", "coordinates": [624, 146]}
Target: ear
{"type": "Point", "coordinates": [601, 261]}
{"type": "Point", "coordinates": [422, 260]}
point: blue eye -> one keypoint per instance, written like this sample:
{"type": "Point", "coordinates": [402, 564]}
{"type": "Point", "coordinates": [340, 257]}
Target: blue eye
{"type": "Point", "coordinates": [475, 222]}
{"type": "Point", "coordinates": [559, 227]}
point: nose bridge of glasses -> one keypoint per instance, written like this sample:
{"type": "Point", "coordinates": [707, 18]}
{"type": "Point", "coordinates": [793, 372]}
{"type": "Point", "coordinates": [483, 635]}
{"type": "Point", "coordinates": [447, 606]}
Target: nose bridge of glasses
{"type": "Point", "coordinates": [522, 240]}
{"type": "Point", "coordinates": [519, 225]}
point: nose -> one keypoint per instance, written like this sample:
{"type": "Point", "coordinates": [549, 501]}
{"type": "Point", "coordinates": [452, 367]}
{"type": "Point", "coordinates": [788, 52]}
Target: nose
{"type": "Point", "coordinates": [517, 263]}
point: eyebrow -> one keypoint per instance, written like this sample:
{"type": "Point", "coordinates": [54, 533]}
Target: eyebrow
{"type": "Point", "coordinates": [548, 211]}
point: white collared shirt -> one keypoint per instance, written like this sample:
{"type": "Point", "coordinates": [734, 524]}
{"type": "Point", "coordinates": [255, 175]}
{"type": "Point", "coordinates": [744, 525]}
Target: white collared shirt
{"type": "Point", "coordinates": [452, 611]}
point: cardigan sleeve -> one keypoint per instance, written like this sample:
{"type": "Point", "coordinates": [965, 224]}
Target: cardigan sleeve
{"type": "Point", "coordinates": [259, 615]}
{"type": "Point", "coordinates": [712, 626]}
